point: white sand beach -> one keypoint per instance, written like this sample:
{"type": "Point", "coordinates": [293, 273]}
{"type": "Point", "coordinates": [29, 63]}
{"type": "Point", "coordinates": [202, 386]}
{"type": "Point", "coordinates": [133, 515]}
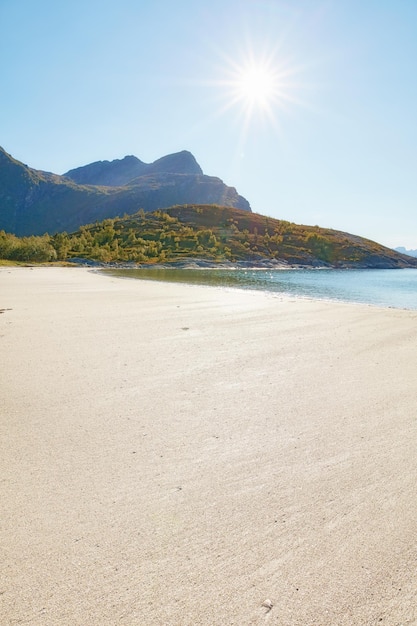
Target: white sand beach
{"type": "Point", "coordinates": [182, 455]}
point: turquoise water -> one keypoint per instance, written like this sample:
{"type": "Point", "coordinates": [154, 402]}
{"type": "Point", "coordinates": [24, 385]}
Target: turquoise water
{"type": "Point", "coordinates": [386, 288]}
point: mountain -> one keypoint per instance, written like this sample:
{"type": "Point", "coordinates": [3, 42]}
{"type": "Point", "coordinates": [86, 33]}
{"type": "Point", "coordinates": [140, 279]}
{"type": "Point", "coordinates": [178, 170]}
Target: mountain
{"type": "Point", "coordinates": [402, 250]}
{"type": "Point", "coordinates": [33, 202]}
{"type": "Point", "coordinates": [202, 219]}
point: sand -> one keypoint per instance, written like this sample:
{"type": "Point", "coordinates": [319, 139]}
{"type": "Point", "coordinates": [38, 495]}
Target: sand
{"type": "Point", "coordinates": [182, 455]}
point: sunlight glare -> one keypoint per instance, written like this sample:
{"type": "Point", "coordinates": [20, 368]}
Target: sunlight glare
{"type": "Point", "coordinates": [256, 85]}
{"type": "Point", "coordinates": [258, 88]}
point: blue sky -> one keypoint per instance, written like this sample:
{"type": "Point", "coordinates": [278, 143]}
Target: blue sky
{"type": "Point", "coordinates": [334, 143]}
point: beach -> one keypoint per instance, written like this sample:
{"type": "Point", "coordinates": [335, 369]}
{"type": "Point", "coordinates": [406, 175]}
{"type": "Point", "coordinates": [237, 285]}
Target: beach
{"type": "Point", "coordinates": [184, 455]}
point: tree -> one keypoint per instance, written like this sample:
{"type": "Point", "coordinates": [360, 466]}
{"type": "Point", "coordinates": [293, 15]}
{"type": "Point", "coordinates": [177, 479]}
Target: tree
{"type": "Point", "coordinates": [62, 245]}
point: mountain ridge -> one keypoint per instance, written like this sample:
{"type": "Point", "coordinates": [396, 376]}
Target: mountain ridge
{"type": "Point", "coordinates": [33, 202]}
{"type": "Point", "coordinates": [121, 172]}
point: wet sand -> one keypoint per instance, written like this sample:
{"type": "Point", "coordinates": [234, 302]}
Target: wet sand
{"type": "Point", "coordinates": [182, 455]}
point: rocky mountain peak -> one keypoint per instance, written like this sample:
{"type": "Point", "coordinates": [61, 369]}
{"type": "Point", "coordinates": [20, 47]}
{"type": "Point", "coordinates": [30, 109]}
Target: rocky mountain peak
{"type": "Point", "coordinates": [114, 173]}
{"type": "Point", "coordinates": [120, 172]}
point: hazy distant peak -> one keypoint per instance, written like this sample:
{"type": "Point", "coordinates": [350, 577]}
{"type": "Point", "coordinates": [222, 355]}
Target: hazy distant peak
{"type": "Point", "coordinates": [403, 250]}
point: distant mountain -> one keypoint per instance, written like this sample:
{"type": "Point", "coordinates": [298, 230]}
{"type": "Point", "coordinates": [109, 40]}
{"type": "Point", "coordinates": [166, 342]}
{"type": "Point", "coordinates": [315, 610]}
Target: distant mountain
{"type": "Point", "coordinates": [402, 250]}
{"type": "Point", "coordinates": [33, 202]}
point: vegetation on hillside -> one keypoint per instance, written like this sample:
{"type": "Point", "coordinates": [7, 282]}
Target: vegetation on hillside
{"type": "Point", "coordinates": [210, 233]}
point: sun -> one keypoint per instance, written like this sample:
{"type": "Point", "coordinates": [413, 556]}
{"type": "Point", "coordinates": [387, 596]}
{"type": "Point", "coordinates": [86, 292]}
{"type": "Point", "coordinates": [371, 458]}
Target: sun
{"type": "Point", "coordinates": [256, 85]}
{"type": "Point", "coordinates": [257, 88]}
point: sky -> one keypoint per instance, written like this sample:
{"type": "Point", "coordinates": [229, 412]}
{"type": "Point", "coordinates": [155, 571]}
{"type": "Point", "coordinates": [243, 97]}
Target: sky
{"type": "Point", "coordinates": [307, 107]}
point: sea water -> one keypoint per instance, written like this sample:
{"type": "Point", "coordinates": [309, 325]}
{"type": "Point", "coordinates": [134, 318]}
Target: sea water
{"type": "Point", "coordinates": [384, 288]}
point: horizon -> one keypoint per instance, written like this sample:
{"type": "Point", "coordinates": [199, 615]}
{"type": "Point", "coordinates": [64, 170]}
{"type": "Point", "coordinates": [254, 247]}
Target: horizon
{"type": "Point", "coordinates": [306, 108]}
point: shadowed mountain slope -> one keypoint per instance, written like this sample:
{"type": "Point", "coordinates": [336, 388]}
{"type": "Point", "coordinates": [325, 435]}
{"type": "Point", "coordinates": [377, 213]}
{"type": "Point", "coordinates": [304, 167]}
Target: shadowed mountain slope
{"type": "Point", "coordinates": [33, 202]}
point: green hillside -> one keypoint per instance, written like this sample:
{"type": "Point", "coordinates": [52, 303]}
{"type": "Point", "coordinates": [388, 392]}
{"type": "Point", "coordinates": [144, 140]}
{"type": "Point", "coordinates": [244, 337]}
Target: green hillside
{"type": "Point", "coordinates": [208, 233]}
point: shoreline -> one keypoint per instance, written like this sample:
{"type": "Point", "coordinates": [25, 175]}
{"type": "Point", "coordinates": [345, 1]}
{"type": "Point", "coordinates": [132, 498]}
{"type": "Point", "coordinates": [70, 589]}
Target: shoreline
{"type": "Point", "coordinates": [261, 264]}
{"type": "Point", "coordinates": [361, 289]}
{"type": "Point", "coordinates": [180, 455]}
